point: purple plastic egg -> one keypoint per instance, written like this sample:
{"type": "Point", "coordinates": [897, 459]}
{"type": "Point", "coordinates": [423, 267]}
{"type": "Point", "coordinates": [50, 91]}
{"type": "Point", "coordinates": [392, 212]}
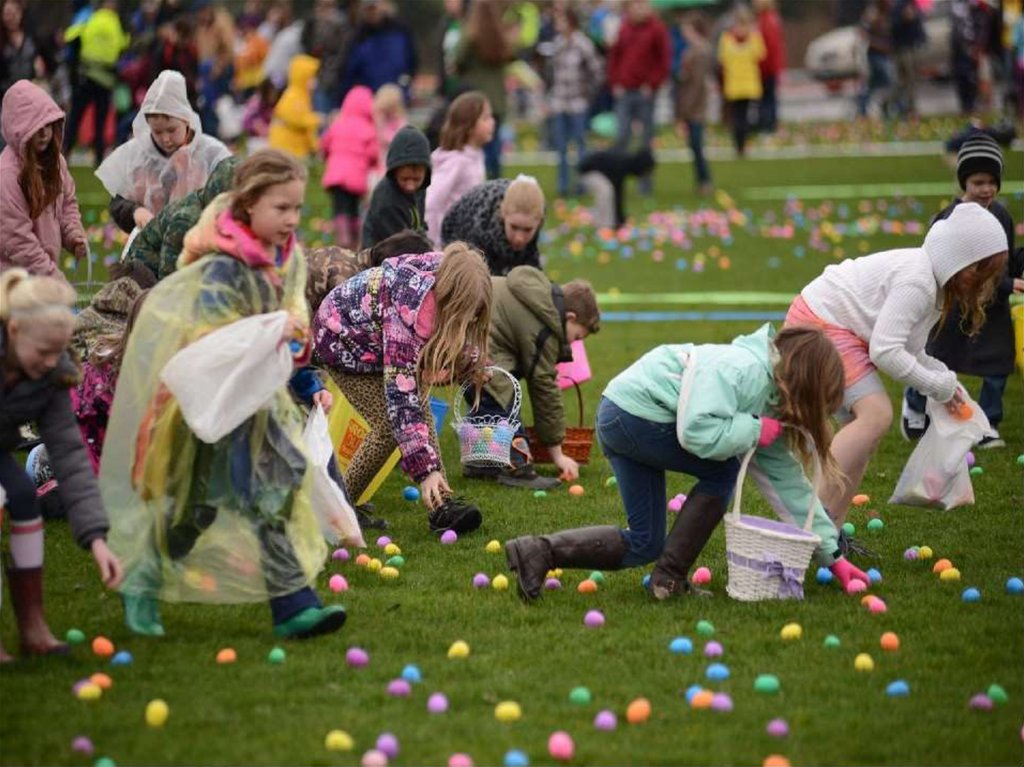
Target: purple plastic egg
{"type": "Point", "coordinates": [82, 745]}
{"type": "Point", "coordinates": [357, 657]}
{"type": "Point", "coordinates": [721, 701]}
{"type": "Point", "coordinates": [387, 744]}
{"type": "Point", "coordinates": [481, 581]}
{"type": "Point", "coordinates": [437, 703]}
{"type": "Point", "coordinates": [713, 649]}
{"type": "Point", "coordinates": [449, 537]}
{"type": "Point", "coordinates": [381, 543]}
{"type": "Point", "coordinates": [980, 702]}
{"type": "Point", "coordinates": [777, 728]}
{"type": "Point", "coordinates": [398, 688]}
{"type": "Point", "coordinates": [340, 555]}
{"type": "Point", "coordinates": [605, 720]}
{"type": "Point", "coordinates": [594, 619]}
{"type": "Point", "coordinates": [552, 584]}
{"type": "Point", "coordinates": [910, 554]}
{"type": "Point", "coordinates": [970, 458]}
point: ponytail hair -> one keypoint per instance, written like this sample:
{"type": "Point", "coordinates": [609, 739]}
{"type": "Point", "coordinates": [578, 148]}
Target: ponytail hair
{"type": "Point", "coordinates": [35, 301]}
{"type": "Point", "coordinates": [809, 376]}
{"type": "Point", "coordinates": [458, 346]}
{"type": "Point", "coordinates": [259, 172]}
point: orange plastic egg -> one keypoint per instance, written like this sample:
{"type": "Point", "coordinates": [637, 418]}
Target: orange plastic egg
{"type": "Point", "coordinates": [638, 711]}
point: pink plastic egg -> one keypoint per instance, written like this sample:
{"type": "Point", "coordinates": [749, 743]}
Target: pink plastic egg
{"type": "Point", "coordinates": [561, 746]}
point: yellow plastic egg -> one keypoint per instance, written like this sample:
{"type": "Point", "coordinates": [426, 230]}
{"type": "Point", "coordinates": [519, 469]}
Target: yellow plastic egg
{"type": "Point", "coordinates": [459, 649]}
{"type": "Point", "coordinates": [499, 583]}
{"type": "Point", "coordinates": [950, 574]}
{"type": "Point", "coordinates": [493, 547]}
{"type": "Point", "coordinates": [157, 712]}
{"type": "Point", "coordinates": [791, 631]}
{"type": "Point", "coordinates": [389, 573]}
{"type": "Point", "coordinates": [338, 740]}
{"type": "Point", "coordinates": [90, 691]}
{"type": "Point", "coordinates": [864, 662]}
{"type": "Point", "coordinates": [925, 552]}
{"type": "Point", "coordinates": [374, 565]}
{"type": "Point", "coordinates": [392, 549]}
{"type": "Point", "coordinates": [508, 711]}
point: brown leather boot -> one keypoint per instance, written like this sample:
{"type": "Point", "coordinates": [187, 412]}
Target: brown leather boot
{"type": "Point", "coordinates": [27, 596]}
{"type": "Point", "coordinates": [530, 557]}
{"type": "Point", "coordinates": [690, 532]}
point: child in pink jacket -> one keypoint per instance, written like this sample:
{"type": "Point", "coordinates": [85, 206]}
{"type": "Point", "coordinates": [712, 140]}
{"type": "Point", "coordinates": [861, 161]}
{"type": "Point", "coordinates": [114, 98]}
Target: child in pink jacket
{"type": "Point", "coordinates": [38, 212]}
{"type": "Point", "coordinates": [351, 150]}
{"type": "Point", "coordinates": [458, 163]}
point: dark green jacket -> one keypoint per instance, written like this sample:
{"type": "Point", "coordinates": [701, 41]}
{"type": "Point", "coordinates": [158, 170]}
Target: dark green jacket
{"type": "Point", "coordinates": [392, 210]}
{"type": "Point", "coordinates": [158, 245]}
{"type": "Point", "coordinates": [528, 339]}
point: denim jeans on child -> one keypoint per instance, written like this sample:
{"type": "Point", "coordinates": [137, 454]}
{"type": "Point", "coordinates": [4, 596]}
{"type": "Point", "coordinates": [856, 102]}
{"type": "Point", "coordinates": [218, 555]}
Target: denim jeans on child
{"type": "Point", "coordinates": [635, 105]}
{"type": "Point", "coordinates": [640, 452]}
{"type": "Point", "coordinates": [568, 127]}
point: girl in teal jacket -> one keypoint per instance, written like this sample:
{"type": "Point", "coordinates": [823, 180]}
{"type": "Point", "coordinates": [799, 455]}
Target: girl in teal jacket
{"type": "Point", "coordinates": [697, 410]}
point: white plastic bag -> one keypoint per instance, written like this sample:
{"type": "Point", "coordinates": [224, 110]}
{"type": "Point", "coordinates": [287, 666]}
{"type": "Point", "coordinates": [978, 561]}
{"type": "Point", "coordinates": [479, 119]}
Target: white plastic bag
{"type": "Point", "coordinates": [936, 474]}
{"type": "Point", "coordinates": [337, 519]}
{"type": "Point", "coordinates": [229, 374]}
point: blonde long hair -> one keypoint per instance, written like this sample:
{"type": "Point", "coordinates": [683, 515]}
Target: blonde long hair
{"type": "Point", "coordinates": [36, 301]}
{"type": "Point", "coordinates": [459, 345]}
{"type": "Point", "coordinates": [971, 291]}
{"type": "Point", "coordinates": [810, 379]}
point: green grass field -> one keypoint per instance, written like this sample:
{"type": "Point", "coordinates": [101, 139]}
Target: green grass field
{"type": "Point", "coordinates": [257, 713]}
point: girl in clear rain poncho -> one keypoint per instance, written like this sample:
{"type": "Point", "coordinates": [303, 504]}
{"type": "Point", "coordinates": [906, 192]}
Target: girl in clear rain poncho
{"type": "Point", "coordinates": [167, 157]}
{"type": "Point", "coordinates": [227, 521]}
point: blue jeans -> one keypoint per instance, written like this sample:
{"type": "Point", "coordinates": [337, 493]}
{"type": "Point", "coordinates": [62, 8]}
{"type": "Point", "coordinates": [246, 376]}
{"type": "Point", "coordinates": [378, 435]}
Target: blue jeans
{"type": "Point", "coordinates": [635, 105]}
{"type": "Point", "coordinates": [566, 127]}
{"type": "Point", "coordinates": [879, 78]}
{"type": "Point", "coordinates": [700, 164]}
{"type": "Point", "coordinates": [492, 151]}
{"type": "Point", "coordinates": [640, 452]}
{"type": "Point", "coordinates": [990, 400]}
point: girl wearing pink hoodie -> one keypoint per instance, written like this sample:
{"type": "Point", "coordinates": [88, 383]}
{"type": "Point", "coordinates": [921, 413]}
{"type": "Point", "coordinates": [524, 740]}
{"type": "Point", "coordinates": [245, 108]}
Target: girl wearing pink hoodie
{"type": "Point", "coordinates": [457, 165]}
{"type": "Point", "coordinates": [38, 212]}
{"type": "Point", "coordinates": [351, 151]}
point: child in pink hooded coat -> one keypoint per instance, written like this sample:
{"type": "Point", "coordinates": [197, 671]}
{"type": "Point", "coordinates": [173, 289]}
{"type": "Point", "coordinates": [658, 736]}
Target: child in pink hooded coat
{"type": "Point", "coordinates": [38, 212]}
{"type": "Point", "coordinates": [351, 150]}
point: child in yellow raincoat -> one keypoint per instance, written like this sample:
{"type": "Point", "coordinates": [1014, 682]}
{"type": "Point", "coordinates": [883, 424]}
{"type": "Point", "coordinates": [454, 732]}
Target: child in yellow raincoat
{"type": "Point", "coordinates": [295, 124]}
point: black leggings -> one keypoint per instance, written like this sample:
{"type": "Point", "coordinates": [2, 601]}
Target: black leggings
{"type": "Point", "coordinates": [345, 203]}
{"type": "Point", "coordinates": [19, 488]}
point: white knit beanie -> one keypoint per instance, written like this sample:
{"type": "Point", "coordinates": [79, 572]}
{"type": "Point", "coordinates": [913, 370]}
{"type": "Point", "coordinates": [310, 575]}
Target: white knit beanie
{"type": "Point", "coordinates": [968, 235]}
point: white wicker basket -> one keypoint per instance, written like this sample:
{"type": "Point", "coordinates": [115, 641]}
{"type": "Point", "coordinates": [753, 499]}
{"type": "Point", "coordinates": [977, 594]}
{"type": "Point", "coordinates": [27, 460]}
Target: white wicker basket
{"type": "Point", "coordinates": [486, 440]}
{"type": "Point", "coordinates": [767, 559]}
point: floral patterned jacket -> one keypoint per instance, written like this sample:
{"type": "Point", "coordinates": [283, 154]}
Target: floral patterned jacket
{"type": "Point", "coordinates": [367, 326]}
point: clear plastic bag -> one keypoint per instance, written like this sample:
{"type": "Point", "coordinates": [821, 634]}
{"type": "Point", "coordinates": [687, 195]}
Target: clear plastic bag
{"type": "Point", "coordinates": [936, 474]}
{"type": "Point", "coordinates": [337, 519]}
{"type": "Point", "coordinates": [230, 373]}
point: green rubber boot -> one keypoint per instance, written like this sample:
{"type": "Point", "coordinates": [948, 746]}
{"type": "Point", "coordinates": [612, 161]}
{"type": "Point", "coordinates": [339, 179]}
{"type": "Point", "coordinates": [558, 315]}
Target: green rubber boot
{"type": "Point", "coordinates": [311, 622]}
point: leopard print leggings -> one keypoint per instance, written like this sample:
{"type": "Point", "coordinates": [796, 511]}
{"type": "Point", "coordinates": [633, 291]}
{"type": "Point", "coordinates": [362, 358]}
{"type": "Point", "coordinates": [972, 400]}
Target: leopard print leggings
{"type": "Point", "coordinates": [366, 393]}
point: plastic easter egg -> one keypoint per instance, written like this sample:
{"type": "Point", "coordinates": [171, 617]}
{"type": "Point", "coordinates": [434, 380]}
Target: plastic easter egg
{"type": "Point", "coordinates": [374, 565]}
{"type": "Point", "coordinates": [540, 494]}
{"type": "Point", "coordinates": [580, 696]}
{"type": "Point", "coordinates": [897, 689]}
{"type": "Point", "coordinates": [713, 649]}
{"type": "Point", "coordinates": [645, 582]}
{"type": "Point", "coordinates": [638, 711]}
{"type": "Point", "coordinates": [103, 647]}
{"type": "Point", "coordinates": [383, 541]}
{"type": "Point", "coordinates": [596, 576]}
{"type": "Point", "coordinates": [448, 537]}
{"type": "Point", "coordinates": [911, 554]}
{"type": "Point", "coordinates": [721, 702]}
{"type": "Point", "coordinates": [102, 681]}
{"type": "Point", "coordinates": [889, 641]}
{"type": "Point", "coordinates": [399, 688]}
{"type": "Point", "coordinates": [587, 587]}
{"type": "Point", "coordinates": [767, 684]}
{"type": "Point", "coordinates": [952, 574]}
{"type": "Point", "coordinates": [552, 584]}
{"type": "Point", "coordinates": [1015, 586]}
{"type": "Point", "coordinates": [576, 490]}
{"type": "Point", "coordinates": [411, 674]}
{"type": "Point", "coordinates": [997, 694]}
{"type": "Point", "coordinates": [940, 565]}
{"type": "Point", "coordinates": [874, 576]}
{"type": "Point", "coordinates": [701, 576]}
{"type": "Point", "coordinates": [387, 744]}
{"type": "Point", "coordinates": [157, 712]}
{"type": "Point", "coordinates": [89, 691]}
{"type": "Point", "coordinates": [561, 746]}
{"type": "Point", "coordinates": [705, 628]}
{"type": "Point", "coordinates": [357, 657]}
{"type": "Point", "coordinates": [481, 581]}
{"type": "Point", "coordinates": [861, 499]}
{"type": "Point", "coordinates": [717, 672]}
{"type": "Point", "coordinates": [823, 576]}
{"type": "Point", "coordinates": [82, 745]}
{"type": "Point", "coordinates": [104, 761]}
{"type": "Point", "coordinates": [459, 649]}
{"type": "Point", "coordinates": [971, 595]}
{"type": "Point", "coordinates": [338, 740]}
{"type": "Point", "coordinates": [411, 493]}
{"type": "Point", "coordinates": [499, 583]}
{"type": "Point", "coordinates": [849, 528]}
{"type": "Point", "coordinates": [980, 702]}
{"type": "Point", "coordinates": [791, 631]}
{"type": "Point", "coordinates": [831, 641]}
{"type": "Point", "coordinates": [493, 547]}
{"type": "Point", "coordinates": [855, 586]}
{"type": "Point", "coordinates": [337, 583]}
{"type": "Point", "coordinates": [970, 458]}
{"type": "Point", "coordinates": [508, 711]}
{"type": "Point", "coordinates": [276, 655]}
{"type": "Point", "coordinates": [691, 693]}
{"type": "Point", "coordinates": [593, 619]}
{"type": "Point", "coordinates": [777, 728]}
{"type": "Point", "coordinates": [362, 560]}
{"type": "Point", "coordinates": [340, 555]}
{"type": "Point", "coordinates": [397, 561]}
{"type": "Point", "coordinates": [392, 549]}
{"type": "Point", "coordinates": [702, 699]}
{"type": "Point", "coordinates": [516, 758]}
{"type": "Point", "coordinates": [680, 646]}
{"type": "Point", "coordinates": [121, 658]}
{"type": "Point", "coordinates": [460, 760]}
{"type": "Point", "coordinates": [611, 482]}
{"type": "Point", "coordinates": [924, 552]}
{"type": "Point", "coordinates": [675, 505]}
{"type": "Point", "coordinates": [227, 655]}
{"type": "Point", "coordinates": [877, 605]}
{"type": "Point", "coordinates": [605, 721]}
{"type": "Point", "coordinates": [875, 525]}
{"type": "Point", "coordinates": [437, 703]}
{"type": "Point", "coordinates": [863, 662]}
{"type": "Point", "coordinates": [374, 758]}
{"type": "Point", "coordinates": [74, 636]}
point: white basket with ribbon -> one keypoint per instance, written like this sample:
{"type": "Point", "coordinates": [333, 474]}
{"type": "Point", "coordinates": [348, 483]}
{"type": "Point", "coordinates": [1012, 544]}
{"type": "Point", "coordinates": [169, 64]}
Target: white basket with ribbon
{"type": "Point", "coordinates": [486, 440]}
{"type": "Point", "coordinates": [767, 558]}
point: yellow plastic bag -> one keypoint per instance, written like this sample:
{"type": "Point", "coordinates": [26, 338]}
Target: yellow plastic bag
{"type": "Point", "coordinates": [348, 429]}
{"type": "Point", "coordinates": [1017, 314]}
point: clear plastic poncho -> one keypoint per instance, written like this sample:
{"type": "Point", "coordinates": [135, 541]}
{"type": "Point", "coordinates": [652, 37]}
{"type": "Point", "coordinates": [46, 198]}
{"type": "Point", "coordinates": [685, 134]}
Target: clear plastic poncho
{"type": "Point", "coordinates": [245, 499]}
{"type": "Point", "coordinates": [140, 172]}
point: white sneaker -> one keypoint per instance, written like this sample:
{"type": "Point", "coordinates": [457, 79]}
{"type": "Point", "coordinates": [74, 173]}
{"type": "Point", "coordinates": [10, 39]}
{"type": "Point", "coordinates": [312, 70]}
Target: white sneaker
{"type": "Point", "coordinates": [990, 441]}
{"type": "Point", "coordinates": [913, 425]}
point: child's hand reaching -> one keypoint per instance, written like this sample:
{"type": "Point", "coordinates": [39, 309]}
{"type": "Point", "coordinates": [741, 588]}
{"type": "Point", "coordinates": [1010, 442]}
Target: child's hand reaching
{"type": "Point", "coordinates": [81, 249]}
{"type": "Point", "coordinates": [324, 399]}
{"type": "Point", "coordinates": [770, 431]}
{"type": "Point", "coordinates": [845, 571]}
{"type": "Point", "coordinates": [569, 470]}
{"type": "Point", "coordinates": [142, 217]}
{"type": "Point", "coordinates": [295, 329]}
{"type": "Point", "coordinates": [108, 563]}
{"type": "Point", "coordinates": [433, 489]}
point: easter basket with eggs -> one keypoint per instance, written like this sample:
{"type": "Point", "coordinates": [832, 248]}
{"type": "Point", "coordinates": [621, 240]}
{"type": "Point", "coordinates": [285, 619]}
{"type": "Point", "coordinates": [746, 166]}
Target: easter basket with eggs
{"type": "Point", "coordinates": [486, 440]}
{"type": "Point", "coordinates": [767, 558]}
{"type": "Point", "coordinates": [576, 444]}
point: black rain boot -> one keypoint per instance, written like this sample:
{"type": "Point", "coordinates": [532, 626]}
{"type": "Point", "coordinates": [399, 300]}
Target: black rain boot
{"type": "Point", "coordinates": [530, 557]}
{"type": "Point", "coordinates": [693, 527]}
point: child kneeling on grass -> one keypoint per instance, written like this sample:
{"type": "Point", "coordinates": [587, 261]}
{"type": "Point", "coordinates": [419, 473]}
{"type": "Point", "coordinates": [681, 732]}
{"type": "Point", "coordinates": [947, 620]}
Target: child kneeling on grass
{"type": "Point", "coordinates": [697, 410]}
{"type": "Point", "coordinates": [533, 324]}
{"type": "Point", "coordinates": [229, 521]}
{"type": "Point", "coordinates": [35, 329]}
{"type": "Point", "coordinates": [386, 336]}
